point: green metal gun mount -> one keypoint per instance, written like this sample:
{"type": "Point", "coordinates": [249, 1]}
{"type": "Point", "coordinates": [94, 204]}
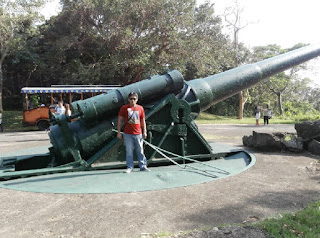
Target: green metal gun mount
{"type": "Point", "coordinates": [88, 139]}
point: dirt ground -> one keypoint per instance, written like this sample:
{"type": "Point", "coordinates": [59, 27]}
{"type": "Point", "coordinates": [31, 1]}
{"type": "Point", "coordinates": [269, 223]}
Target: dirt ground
{"type": "Point", "coordinates": [277, 183]}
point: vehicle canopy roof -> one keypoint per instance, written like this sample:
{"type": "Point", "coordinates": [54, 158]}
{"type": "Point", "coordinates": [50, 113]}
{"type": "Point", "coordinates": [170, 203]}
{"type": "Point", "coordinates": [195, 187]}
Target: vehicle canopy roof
{"type": "Point", "coordinates": [69, 89]}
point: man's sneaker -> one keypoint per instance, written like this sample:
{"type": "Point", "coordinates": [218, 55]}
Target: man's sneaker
{"type": "Point", "coordinates": [145, 169]}
{"type": "Point", "coordinates": [129, 170]}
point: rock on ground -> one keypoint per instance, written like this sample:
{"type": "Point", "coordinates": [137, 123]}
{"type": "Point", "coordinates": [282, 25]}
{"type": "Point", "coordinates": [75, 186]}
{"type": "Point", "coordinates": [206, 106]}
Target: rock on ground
{"type": "Point", "coordinates": [224, 232]}
{"type": "Point", "coordinates": [227, 232]}
{"type": "Point", "coordinates": [314, 147]}
{"type": "Point", "coordinates": [308, 130]}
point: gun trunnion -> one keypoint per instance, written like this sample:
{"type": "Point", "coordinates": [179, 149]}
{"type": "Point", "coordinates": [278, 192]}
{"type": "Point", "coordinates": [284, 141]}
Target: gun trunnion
{"type": "Point", "coordinates": [171, 105]}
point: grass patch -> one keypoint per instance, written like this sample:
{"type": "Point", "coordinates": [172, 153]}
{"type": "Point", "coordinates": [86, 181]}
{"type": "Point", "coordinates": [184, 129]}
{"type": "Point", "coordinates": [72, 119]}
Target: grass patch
{"type": "Point", "coordinates": [12, 121]}
{"type": "Point", "coordinates": [207, 118]}
{"type": "Point", "coordinates": [304, 223]}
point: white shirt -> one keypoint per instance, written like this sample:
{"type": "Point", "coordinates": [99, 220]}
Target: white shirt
{"type": "Point", "coordinates": [267, 112]}
{"type": "Point", "coordinates": [60, 110]}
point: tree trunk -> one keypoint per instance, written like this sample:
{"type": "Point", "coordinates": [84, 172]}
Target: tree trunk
{"type": "Point", "coordinates": [280, 103]}
{"type": "Point", "coordinates": [243, 97]}
{"type": "Point", "coordinates": [3, 56]}
{"type": "Point", "coordinates": [1, 85]}
{"type": "Point", "coordinates": [240, 106]}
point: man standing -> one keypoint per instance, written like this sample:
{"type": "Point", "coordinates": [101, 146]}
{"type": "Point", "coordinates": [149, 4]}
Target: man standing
{"type": "Point", "coordinates": [133, 117]}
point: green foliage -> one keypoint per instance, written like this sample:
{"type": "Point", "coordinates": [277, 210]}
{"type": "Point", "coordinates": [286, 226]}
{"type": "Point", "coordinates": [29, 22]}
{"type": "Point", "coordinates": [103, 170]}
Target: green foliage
{"type": "Point", "coordinates": [124, 41]}
{"type": "Point", "coordinates": [302, 116]}
{"type": "Point", "coordinates": [286, 93]}
{"type": "Point", "coordinates": [17, 23]}
{"type": "Point", "coordinates": [101, 42]}
{"type": "Point", "coordinates": [12, 102]}
{"type": "Point", "coordinates": [207, 118]}
{"type": "Point", "coordinates": [228, 107]}
{"type": "Point", "coordinates": [304, 223]}
{"type": "Point", "coordinates": [13, 120]}
{"type": "Point", "coordinates": [314, 98]}
{"type": "Point", "coordinates": [120, 42]}
{"type": "Point", "coordinates": [35, 100]}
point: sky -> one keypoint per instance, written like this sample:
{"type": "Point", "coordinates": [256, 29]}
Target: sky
{"type": "Point", "coordinates": [281, 22]}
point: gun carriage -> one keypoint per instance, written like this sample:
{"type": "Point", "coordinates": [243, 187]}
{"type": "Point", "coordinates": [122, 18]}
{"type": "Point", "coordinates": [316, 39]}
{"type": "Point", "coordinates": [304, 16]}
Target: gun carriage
{"type": "Point", "coordinates": [171, 106]}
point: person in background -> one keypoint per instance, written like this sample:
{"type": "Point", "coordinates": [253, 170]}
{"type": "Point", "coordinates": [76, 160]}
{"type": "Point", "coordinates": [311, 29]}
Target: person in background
{"type": "Point", "coordinates": [257, 113]}
{"type": "Point", "coordinates": [134, 131]}
{"type": "Point", "coordinates": [52, 109]}
{"type": "Point", "coordinates": [68, 110]}
{"type": "Point", "coordinates": [30, 104]}
{"type": "Point", "coordinates": [60, 109]}
{"type": "Point", "coordinates": [267, 113]}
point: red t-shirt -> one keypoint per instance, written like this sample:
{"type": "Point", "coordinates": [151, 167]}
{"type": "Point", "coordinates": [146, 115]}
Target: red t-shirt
{"type": "Point", "coordinates": [133, 126]}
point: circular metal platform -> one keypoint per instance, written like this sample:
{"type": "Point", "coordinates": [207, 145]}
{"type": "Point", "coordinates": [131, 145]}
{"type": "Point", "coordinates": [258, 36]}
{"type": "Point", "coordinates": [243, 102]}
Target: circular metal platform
{"type": "Point", "coordinates": [117, 181]}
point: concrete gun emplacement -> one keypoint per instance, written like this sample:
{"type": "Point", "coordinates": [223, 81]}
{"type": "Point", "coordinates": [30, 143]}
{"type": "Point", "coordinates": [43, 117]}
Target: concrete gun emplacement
{"type": "Point", "coordinates": [88, 136]}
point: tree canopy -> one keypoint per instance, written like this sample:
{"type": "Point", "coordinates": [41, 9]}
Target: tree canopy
{"type": "Point", "coordinates": [287, 93]}
{"type": "Point", "coordinates": [125, 41]}
{"type": "Point", "coordinates": [17, 19]}
{"type": "Point", "coordinates": [100, 42]}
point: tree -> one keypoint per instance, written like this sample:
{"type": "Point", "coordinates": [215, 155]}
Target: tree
{"type": "Point", "coordinates": [314, 98]}
{"type": "Point", "coordinates": [278, 84]}
{"type": "Point", "coordinates": [121, 42]}
{"type": "Point", "coordinates": [286, 86]}
{"type": "Point", "coordinates": [17, 19]}
{"type": "Point", "coordinates": [233, 17]}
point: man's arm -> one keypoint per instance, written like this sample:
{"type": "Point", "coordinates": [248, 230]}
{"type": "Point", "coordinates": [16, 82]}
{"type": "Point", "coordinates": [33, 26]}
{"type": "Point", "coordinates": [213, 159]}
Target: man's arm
{"type": "Point", "coordinates": [144, 128]}
{"type": "Point", "coordinates": [119, 125]}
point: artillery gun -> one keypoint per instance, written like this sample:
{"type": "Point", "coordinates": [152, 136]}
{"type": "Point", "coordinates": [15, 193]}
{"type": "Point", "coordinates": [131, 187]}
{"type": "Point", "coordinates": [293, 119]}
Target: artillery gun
{"type": "Point", "coordinates": [171, 105]}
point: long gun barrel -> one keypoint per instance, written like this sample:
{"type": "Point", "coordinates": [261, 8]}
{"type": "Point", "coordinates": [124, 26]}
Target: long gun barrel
{"type": "Point", "coordinates": [99, 113]}
{"type": "Point", "coordinates": [171, 105]}
{"type": "Point", "coordinates": [206, 91]}
{"type": "Point", "coordinates": [148, 90]}
{"type": "Point", "coordinates": [218, 87]}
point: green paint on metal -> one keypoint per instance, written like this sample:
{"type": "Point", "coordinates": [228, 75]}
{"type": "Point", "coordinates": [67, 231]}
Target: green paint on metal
{"type": "Point", "coordinates": [218, 87]}
{"type": "Point", "coordinates": [116, 181]}
{"type": "Point", "coordinates": [171, 105]}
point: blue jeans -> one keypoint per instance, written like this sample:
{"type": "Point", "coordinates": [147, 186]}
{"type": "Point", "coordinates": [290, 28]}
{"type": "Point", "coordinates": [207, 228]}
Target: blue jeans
{"type": "Point", "coordinates": [134, 142]}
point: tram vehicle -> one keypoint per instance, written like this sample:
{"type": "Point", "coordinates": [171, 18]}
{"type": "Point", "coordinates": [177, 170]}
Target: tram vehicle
{"type": "Point", "coordinates": [39, 100]}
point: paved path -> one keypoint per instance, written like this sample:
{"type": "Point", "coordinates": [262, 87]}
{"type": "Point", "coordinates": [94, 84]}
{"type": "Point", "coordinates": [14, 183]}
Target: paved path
{"type": "Point", "coordinates": [277, 183]}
